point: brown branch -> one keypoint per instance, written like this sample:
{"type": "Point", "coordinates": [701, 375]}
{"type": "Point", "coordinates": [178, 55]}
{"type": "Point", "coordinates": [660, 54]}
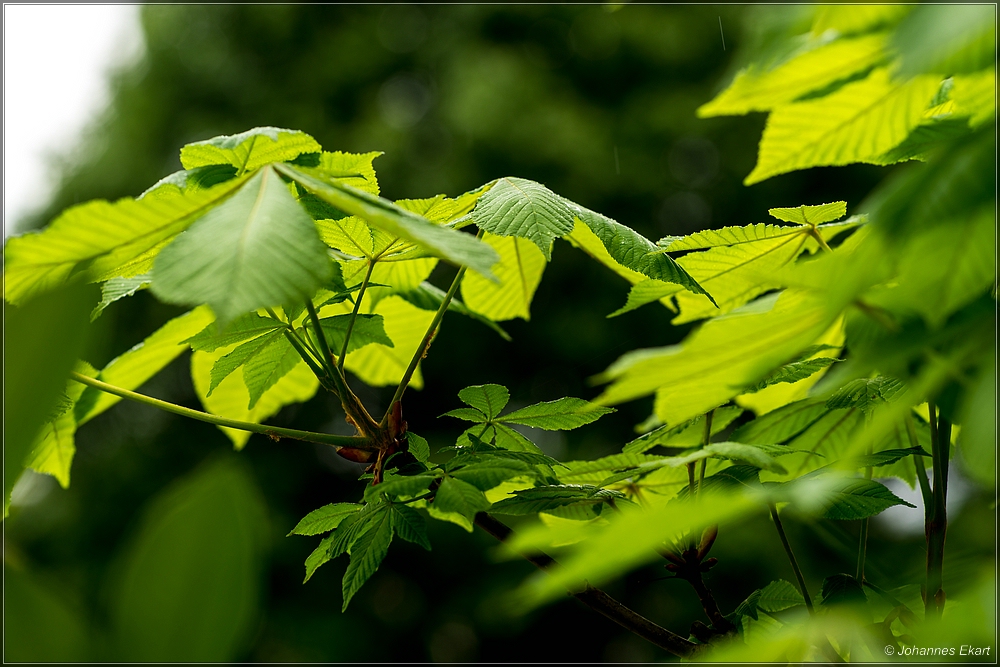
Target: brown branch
{"type": "Point", "coordinates": [600, 601]}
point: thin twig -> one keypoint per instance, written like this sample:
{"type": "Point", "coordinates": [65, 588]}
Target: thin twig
{"type": "Point", "coordinates": [791, 558]}
{"type": "Point", "coordinates": [336, 441]}
{"type": "Point", "coordinates": [354, 315]}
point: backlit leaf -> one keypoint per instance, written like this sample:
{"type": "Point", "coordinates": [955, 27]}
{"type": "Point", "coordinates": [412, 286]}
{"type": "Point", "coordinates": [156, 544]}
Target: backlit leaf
{"type": "Point", "coordinates": [410, 525]}
{"type": "Point", "coordinates": [857, 123]}
{"type": "Point", "coordinates": [559, 415]}
{"type": "Point", "coordinates": [523, 208]}
{"type": "Point", "coordinates": [324, 519]}
{"type": "Point", "coordinates": [366, 555]}
{"type": "Point", "coordinates": [462, 498]}
{"type": "Point", "coordinates": [811, 215]}
{"type": "Point", "coordinates": [490, 399]}
{"type": "Point", "coordinates": [258, 249]}
{"type": "Point", "coordinates": [249, 150]}
{"type": "Point", "coordinates": [519, 271]}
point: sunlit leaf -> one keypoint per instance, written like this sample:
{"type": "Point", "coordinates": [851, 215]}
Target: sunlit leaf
{"type": "Point", "coordinates": [249, 150]}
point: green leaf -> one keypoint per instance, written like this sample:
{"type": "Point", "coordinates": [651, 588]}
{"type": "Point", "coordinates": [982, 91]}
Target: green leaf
{"type": "Point", "coordinates": [468, 414]}
{"type": "Point", "coordinates": [418, 447]}
{"type": "Point", "coordinates": [778, 596]}
{"type": "Point", "coordinates": [728, 236]}
{"type": "Point", "coordinates": [241, 329]}
{"type": "Point", "coordinates": [367, 554]}
{"type": "Point", "coordinates": [244, 353]}
{"type": "Point", "coordinates": [559, 415]}
{"type": "Point", "coordinates": [865, 394]}
{"type": "Point", "coordinates": [724, 355]}
{"type": "Point", "coordinates": [367, 329]}
{"type": "Point", "coordinates": [443, 242]}
{"type": "Point", "coordinates": [491, 473]}
{"type": "Point", "coordinates": [198, 178]}
{"type": "Point", "coordinates": [462, 498]}
{"type": "Point", "coordinates": [842, 589]}
{"type": "Point", "coordinates": [755, 455]}
{"type": "Point", "coordinates": [849, 499]}
{"type": "Point", "coordinates": [947, 39]}
{"type": "Point", "coordinates": [886, 457]}
{"type": "Point", "coordinates": [633, 251]}
{"type": "Point", "coordinates": [401, 485]}
{"type": "Point", "coordinates": [324, 519]}
{"type": "Point", "coordinates": [682, 436]}
{"type": "Point", "coordinates": [490, 399]}
{"type": "Point", "coordinates": [793, 372]}
{"type": "Point", "coordinates": [925, 138]}
{"type": "Point", "coordinates": [523, 208]}
{"type": "Point", "coordinates": [231, 397]}
{"type": "Point", "coordinates": [410, 525]}
{"type": "Point", "coordinates": [106, 236]}
{"type": "Point", "coordinates": [118, 288]}
{"type": "Point", "coordinates": [54, 449]}
{"type": "Point", "coordinates": [782, 424]}
{"type": "Point", "coordinates": [858, 123]}
{"type": "Point", "coordinates": [267, 367]}
{"type": "Point", "coordinates": [944, 268]}
{"type": "Point", "coordinates": [42, 339]}
{"type": "Point", "coordinates": [736, 272]}
{"type": "Point", "coordinates": [974, 96]}
{"type": "Point", "coordinates": [319, 556]}
{"type": "Point", "coordinates": [249, 150]}
{"type": "Point", "coordinates": [353, 169]}
{"type": "Point", "coordinates": [518, 274]}
{"type": "Point", "coordinates": [258, 249]}
{"type": "Point", "coordinates": [428, 297]}
{"type": "Point", "coordinates": [193, 571]}
{"type": "Point", "coordinates": [811, 215]}
{"type": "Point", "coordinates": [759, 89]}
{"type": "Point", "coordinates": [133, 368]}
{"type": "Point", "coordinates": [544, 498]}
{"type": "Point", "coordinates": [853, 19]}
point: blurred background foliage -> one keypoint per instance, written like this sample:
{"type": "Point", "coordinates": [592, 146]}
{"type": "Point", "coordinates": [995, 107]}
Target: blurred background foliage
{"type": "Point", "coordinates": [169, 546]}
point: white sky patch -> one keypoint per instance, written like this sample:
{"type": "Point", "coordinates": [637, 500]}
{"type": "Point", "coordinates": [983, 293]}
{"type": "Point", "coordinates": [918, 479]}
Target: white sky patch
{"type": "Point", "coordinates": [56, 62]}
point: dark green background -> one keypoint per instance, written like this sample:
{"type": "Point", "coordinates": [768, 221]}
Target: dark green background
{"type": "Point", "coordinates": [600, 106]}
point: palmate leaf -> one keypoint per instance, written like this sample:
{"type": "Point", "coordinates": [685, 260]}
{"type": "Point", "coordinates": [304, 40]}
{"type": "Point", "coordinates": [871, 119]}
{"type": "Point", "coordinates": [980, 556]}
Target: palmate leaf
{"type": "Point", "coordinates": [440, 241]}
{"type": "Point", "coordinates": [105, 235]}
{"type": "Point", "coordinates": [249, 150]}
{"type": "Point", "coordinates": [759, 89]}
{"type": "Point", "coordinates": [865, 393]}
{"type": "Point", "coordinates": [244, 353]}
{"type": "Point", "coordinates": [353, 169]}
{"type": "Point", "coordinates": [519, 272]}
{"type": "Point", "coordinates": [523, 208]}
{"type": "Point", "coordinates": [491, 472]}
{"type": "Point", "coordinates": [740, 264]}
{"type": "Point", "coordinates": [324, 519]}
{"type": "Point", "coordinates": [850, 499]}
{"type": "Point", "coordinates": [811, 215]}
{"type": "Point", "coordinates": [266, 368]}
{"type": "Point", "coordinates": [231, 397]}
{"type": "Point", "coordinates": [367, 554]}
{"type": "Point", "coordinates": [974, 96]}
{"type": "Point", "coordinates": [131, 369]}
{"type": "Point", "coordinates": [944, 268]}
{"type": "Point", "coordinates": [410, 525]}
{"type": "Point", "coordinates": [53, 450]}
{"type": "Point", "coordinates": [630, 250]}
{"type": "Point", "coordinates": [258, 249]}
{"type": "Point", "coordinates": [455, 497]}
{"type": "Point", "coordinates": [560, 415]}
{"type": "Point", "coordinates": [857, 123]}
{"type": "Point", "coordinates": [118, 288]}
{"type": "Point", "coordinates": [241, 329]}
{"type": "Point", "coordinates": [853, 19]}
{"type": "Point", "coordinates": [793, 372]}
{"type": "Point", "coordinates": [193, 179]}
{"type": "Point", "coordinates": [368, 329]}
{"type": "Point", "coordinates": [726, 354]}
{"type": "Point", "coordinates": [488, 399]}
{"type": "Point", "coordinates": [546, 498]}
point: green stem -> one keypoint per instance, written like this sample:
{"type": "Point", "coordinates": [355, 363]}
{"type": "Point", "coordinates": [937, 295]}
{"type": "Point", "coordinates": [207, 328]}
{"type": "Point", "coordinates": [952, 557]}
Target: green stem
{"type": "Point", "coordinates": [354, 315]}
{"type": "Point", "coordinates": [337, 441]}
{"type": "Point", "coordinates": [819, 239]}
{"type": "Point", "coordinates": [791, 558]}
{"type": "Point", "coordinates": [706, 441]}
{"type": "Point", "coordinates": [425, 344]}
{"type": "Point", "coordinates": [324, 346]}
